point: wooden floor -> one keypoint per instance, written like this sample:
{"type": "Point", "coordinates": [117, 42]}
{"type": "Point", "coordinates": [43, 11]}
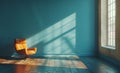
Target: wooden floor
{"type": "Point", "coordinates": [56, 65]}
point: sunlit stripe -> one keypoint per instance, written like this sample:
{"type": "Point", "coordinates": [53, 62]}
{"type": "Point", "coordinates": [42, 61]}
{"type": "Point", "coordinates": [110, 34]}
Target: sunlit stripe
{"type": "Point", "coordinates": [53, 31]}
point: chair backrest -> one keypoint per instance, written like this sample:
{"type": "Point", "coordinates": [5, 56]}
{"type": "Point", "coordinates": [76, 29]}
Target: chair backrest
{"type": "Point", "coordinates": [20, 44]}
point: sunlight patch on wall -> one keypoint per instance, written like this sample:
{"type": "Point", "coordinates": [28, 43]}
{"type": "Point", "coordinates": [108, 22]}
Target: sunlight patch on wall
{"type": "Point", "coordinates": [59, 38]}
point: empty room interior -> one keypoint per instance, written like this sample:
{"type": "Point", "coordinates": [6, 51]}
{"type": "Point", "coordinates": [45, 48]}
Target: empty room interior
{"type": "Point", "coordinates": [59, 36]}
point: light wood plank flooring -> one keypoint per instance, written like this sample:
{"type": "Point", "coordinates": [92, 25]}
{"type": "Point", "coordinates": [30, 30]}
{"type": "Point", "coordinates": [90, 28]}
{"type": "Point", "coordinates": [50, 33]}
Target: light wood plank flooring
{"type": "Point", "coordinates": [56, 65]}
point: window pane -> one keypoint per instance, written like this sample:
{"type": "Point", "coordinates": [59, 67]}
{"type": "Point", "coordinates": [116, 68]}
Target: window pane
{"type": "Point", "coordinates": [111, 23]}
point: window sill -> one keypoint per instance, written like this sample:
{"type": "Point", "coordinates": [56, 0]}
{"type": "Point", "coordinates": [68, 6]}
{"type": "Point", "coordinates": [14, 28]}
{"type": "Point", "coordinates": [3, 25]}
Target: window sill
{"type": "Point", "coordinates": [109, 47]}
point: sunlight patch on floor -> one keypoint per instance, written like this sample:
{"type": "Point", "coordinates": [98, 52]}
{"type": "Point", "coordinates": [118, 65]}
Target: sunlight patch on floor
{"type": "Point", "coordinates": [46, 62]}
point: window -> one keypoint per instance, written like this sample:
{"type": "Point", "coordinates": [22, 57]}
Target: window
{"type": "Point", "coordinates": [111, 23]}
{"type": "Point", "coordinates": [108, 14]}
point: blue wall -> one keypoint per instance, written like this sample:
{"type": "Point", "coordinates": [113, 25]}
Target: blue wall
{"type": "Point", "coordinates": [55, 27]}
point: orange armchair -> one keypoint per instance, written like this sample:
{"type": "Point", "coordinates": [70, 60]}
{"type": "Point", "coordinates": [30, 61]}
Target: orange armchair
{"type": "Point", "coordinates": [21, 47]}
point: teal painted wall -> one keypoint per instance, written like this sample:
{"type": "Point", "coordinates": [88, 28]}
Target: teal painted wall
{"type": "Point", "coordinates": [55, 27]}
